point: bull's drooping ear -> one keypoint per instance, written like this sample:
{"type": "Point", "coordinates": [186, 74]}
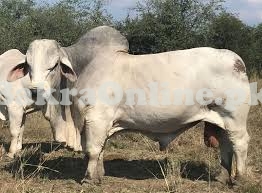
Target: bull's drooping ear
{"type": "Point", "coordinates": [18, 60]}
{"type": "Point", "coordinates": [66, 68]}
{"type": "Point", "coordinates": [18, 72]}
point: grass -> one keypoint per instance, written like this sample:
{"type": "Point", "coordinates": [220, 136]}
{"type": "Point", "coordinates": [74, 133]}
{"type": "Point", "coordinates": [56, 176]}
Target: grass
{"type": "Point", "coordinates": [133, 163]}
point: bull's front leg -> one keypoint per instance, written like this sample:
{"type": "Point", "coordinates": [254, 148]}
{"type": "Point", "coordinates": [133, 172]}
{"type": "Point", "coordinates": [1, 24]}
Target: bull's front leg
{"type": "Point", "coordinates": [95, 138]}
{"type": "Point", "coordinates": [17, 119]}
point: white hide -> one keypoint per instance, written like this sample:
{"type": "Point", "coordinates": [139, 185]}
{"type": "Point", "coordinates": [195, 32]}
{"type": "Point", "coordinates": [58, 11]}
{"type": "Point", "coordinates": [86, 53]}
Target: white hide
{"type": "Point", "coordinates": [101, 56]}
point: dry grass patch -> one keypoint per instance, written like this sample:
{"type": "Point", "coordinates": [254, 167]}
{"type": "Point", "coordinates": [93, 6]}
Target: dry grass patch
{"type": "Point", "coordinates": [133, 163]}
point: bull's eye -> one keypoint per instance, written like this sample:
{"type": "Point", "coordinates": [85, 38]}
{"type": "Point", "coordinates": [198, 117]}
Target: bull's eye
{"type": "Point", "coordinates": [51, 69]}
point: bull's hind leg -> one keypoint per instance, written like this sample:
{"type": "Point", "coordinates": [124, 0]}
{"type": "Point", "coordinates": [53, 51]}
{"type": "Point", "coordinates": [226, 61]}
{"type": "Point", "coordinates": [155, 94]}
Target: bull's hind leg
{"type": "Point", "coordinates": [237, 128]}
{"type": "Point", "coordinates": [226, 155]}
{"type": "Point", "coordinates": [240, 141]}
{"type": "Point", "coordinates": [235, 142]}
{"type": "Point", "coordinates": [215, 136]}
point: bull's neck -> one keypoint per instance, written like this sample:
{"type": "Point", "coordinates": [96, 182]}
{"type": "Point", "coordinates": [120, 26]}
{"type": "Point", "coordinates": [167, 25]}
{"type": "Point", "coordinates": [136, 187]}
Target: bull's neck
{"type": "Point", "coordinates": [79, 57]}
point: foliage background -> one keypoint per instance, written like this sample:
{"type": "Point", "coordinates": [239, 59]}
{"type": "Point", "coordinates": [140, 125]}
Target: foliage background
{"type": "Point", "coordinates": [133, 162]}
{"type": "Point", "coordinates": [155, 26]}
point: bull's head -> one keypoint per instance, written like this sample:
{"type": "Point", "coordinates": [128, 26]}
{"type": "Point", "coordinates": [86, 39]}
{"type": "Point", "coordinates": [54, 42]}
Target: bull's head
{"type": "Point", "coordinates": [45, 61]}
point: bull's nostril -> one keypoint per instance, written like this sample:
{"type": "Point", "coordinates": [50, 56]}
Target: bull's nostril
{"type": "Point", "coordinates": [34, 92]}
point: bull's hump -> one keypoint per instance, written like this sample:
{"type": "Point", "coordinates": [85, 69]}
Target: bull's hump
{"type": "Point", "coordinates": [105, 36]}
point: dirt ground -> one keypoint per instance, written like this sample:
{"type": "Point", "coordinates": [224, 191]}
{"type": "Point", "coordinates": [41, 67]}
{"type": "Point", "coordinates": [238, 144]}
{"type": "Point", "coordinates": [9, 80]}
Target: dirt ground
{"type": "Point", "coordinates": [133, 163]}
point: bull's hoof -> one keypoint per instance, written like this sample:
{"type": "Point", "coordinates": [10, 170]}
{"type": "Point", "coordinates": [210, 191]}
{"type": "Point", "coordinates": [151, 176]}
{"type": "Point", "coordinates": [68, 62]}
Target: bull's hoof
{"type": "Point", "coordinates": [5, 158]}
{"type": "Point", "coordinates": [63, 144]}
{"type": "Point", "coordinates": [90, 182]}
{"type": "Point", "coordinates": [68, 148]}
{"type": "Point", "coordinates": [10, 155]}
{"type": "Point", "coordinates": [224, 178]}
{"type": "Point", "coordinates": [240, 181]}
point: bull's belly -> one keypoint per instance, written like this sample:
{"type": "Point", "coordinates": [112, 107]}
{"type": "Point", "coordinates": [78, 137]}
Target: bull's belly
{"type": "Point", "coordinates": [162, 120]}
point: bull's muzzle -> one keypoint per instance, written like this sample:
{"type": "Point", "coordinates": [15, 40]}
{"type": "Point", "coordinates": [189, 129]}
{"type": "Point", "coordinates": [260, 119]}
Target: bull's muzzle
{"type": "Point", "coordinates": [35, 85]}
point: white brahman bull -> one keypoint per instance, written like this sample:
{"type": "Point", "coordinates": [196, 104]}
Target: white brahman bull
{"type": "Point", "coordinates": [11, 108]}
{"type": "Point", "coordinates": [16, 103]}
{"type": "Point", "coordinates": [99, 60]}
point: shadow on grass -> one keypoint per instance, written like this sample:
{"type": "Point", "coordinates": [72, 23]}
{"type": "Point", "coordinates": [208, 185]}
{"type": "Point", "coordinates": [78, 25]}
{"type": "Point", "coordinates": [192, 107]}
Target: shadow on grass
{"type": "Point", "coordinates": [194, 170]}
{"type": "Point", "coordinates": [73, 167]}
{"type": "Point", "coordinates": [45, 147]}
{"type": "Point", "coordinates": [135, 169]}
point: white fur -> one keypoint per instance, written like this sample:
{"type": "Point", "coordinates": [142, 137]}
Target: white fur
{"type": "Point", "coordinates": [100, 56]}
